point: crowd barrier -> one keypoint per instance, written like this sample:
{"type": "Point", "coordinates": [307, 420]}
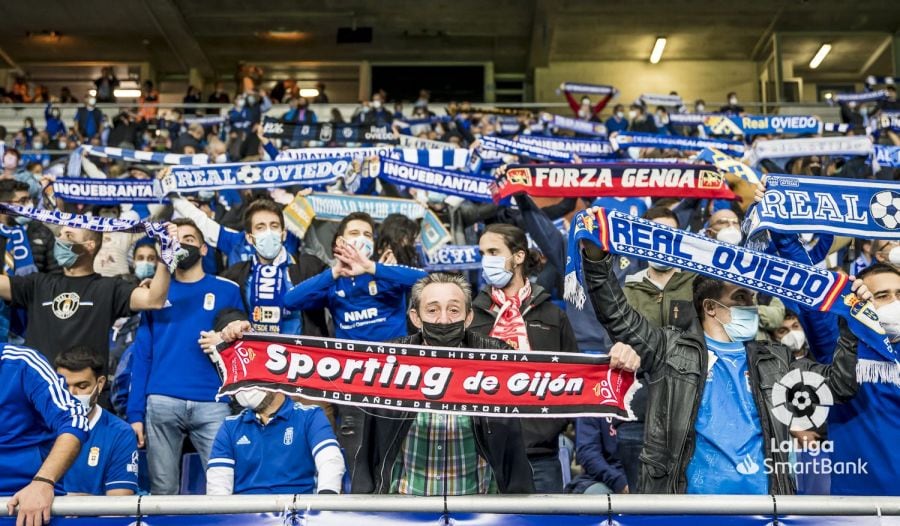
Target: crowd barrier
{"type": "Point", "coordinates": [571, 510]}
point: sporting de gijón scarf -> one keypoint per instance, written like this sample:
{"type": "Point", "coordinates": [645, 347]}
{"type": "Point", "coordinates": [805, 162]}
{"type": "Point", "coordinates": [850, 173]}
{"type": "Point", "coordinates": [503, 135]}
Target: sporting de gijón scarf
{"type": "Point", "coordinates": [471, 187]}
{"type": "Point", "coordinates": [327, 132]}
{"type": "Point", "coordinates": [614, 180]}
{"type": "Point", "coordinates": [761, 124]}
{"type": "Point", "coordinates": [266, 174]}
{"type": "Point", "coordinates": [496, 383]}
{"type": "Point", "coordinates": [810, 287]}
{"type": "Point", "coordinates": [849, 207]}
{"type": "Point", "coordinates": [623, 140]}
{"type": "Point", "coordinates": [170, 248]}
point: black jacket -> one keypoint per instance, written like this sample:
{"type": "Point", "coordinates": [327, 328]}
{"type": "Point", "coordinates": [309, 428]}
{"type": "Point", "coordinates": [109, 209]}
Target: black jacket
{"type": "Point", "coordinates": [675, 363]}
{"type": "Point", "coordinates": [548, 329]}
{"type": "Point", "coordinates": [42, 240]}
{"type": "Point", "coordinates": [314, 321]}
{"type": "Point", "coordinates": [499, 440]}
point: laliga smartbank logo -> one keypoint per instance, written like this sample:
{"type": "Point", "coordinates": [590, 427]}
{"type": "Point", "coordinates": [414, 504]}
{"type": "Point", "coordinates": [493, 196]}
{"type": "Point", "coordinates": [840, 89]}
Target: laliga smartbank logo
{"type": "Point", "coordinates": [801, 400]}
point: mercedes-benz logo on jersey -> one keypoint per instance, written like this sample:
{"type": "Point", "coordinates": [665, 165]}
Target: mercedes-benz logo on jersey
{"type": "Point", "coordinates": [66, 305]}
{"type": "Point", "coordinates": [248, 174]}
{"type": "Point", "coordinates": [801, 400]}
{"type": "Point", "coordinates": [885, 208]}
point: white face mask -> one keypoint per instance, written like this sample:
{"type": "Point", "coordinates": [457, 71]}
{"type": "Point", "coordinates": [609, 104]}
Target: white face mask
{"type": "Point", "coordinates": [731, 235]}
{"type": "Point", "coordinates": [91, 101]}
{"type": "Point", "coordinates": [250, 398]}
{"type": "Point", "coordinates": [87, 400]}
{"type": "Point", "coordinates": [221, 158]}
{"type": "Point", "coordinates": [733, 101]}
{"type": "Point", "coordinates": [620, 114]}
{"type": "Point", "coordinates": [794, 339]}
{"type": "Point", "coordinates": [894, 256]}
{"type": "Point", "coordinates": [700, 108]}
{"type": "Point", "coordinates": [889, 318]}
{"type": "Point", "coordinates": [632, 114]}
{"type": "Point", "coordinates": [364, 245]}
{"type": "Point", "coordinates": [376, 104]}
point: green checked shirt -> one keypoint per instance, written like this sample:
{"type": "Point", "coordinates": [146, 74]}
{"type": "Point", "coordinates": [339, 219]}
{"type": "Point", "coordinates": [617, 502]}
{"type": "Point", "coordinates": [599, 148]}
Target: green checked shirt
{"type": "Point", "coordinates": [439, 455]}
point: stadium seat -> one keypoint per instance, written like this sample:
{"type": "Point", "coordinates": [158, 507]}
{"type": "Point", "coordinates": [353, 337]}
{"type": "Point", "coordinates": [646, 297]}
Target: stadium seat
{"type": "Point", "coordinates": [193, 479]}
{"type": "Point", "coordinates": [565, 458]}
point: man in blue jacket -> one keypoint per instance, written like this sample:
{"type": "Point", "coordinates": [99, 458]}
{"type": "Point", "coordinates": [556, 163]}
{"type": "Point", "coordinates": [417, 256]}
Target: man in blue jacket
{"type": "Point", "coordinates": [42, 432]}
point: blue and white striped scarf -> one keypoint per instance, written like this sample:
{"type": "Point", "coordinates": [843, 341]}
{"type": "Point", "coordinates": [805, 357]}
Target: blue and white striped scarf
{"type": "Point", "coordinates": [584, 148]}
{"type": "Point", "coordinates": [468, 186]}
{"type": "Point", "coordinates": [576, 125]}
{"type": "Point", "coordinates": [789, 148]}
{"type": "Point", "coordinates": [498, 144]}
{"type": "Point", "coordinates": [134, 156]}
{"type": "Point", "coordinates": [623, 140]}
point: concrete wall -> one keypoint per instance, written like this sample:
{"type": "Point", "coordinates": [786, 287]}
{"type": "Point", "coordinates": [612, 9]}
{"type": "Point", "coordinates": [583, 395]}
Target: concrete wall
{"type": "Point", "coordinates": [708, 80]}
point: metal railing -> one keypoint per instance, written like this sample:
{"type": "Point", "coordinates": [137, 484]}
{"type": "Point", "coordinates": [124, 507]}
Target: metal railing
{"type": "Point", "coordinates": [507, 504]}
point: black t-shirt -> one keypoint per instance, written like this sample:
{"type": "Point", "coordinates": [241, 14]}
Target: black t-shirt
{"type": "Point", "coordinates": [66, 311]}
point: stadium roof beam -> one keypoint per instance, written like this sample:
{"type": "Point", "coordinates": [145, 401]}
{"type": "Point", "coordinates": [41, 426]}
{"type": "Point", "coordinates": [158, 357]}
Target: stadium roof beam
{"type": "Point", "coordinates": [170, 22]}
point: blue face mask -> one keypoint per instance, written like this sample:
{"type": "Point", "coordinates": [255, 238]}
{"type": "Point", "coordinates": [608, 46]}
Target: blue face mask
{"type": "Point", "coordinates": [744, 323]}
{"type": "Point", "coordinates": [493, 270]}
{"type": "Point", "coordinates": [144, 269]}
{"type": "Point", "coordinates": [64, 253]}
{"type": "Point", "coordinates": [267, 244]}
{"type": "Point", "coordinates": [22, 220]}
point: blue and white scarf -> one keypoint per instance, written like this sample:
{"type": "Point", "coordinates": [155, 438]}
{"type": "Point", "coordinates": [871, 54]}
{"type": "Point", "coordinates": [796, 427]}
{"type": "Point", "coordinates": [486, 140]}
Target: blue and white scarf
{"type": "Point", "coordinates": [433, 233]}
{"type": "Point", "coordinates": [810, 287]}
{"type": "Point", "coordinates": [208, 120]}
{"type": "Point", "coordinates": [134, 156]}
{"type": "Point", "coordinates": [728, 164]}
{"type": "Point", "coordinates": [885, 156]}
{"type": "Point", "coordinates": [836, 127]}
{"type": "Point", "coordinates": [873, 80]}
{"type": "Point", "coordinates": [888, 120]}
{"type": "Point", "coordinates": [690, 119]}
{"type": "Point", "coordinates": [327, 132]}
{"type": "Point", "coordinates": [789, 148]}
{"type": "Point", "coordinates": [524, 150]}
{"type": "Point", "coordinates": [408, 141]}
{"type": "Point", "coordinates": [106, 191]}
{"type": "Point", "coordinates": [587, 89]}
{"type": "Point", "coordinates": [457, 159]}
{"type": "Point", "coordinates": [762, 124]}
{"type": "Point", "coordinates": [865, 96]}
{"type": "Point", "coordinates": [453, 258]}
{"type": "Point", "coordinates": [651, 99]}
{"type": "Point", "coordinates": [468, 186]}
{"type": "Point", "coordinates": [576, 125]}
{"type": "Point", "coordinates": [584, 148]}
{"type": "Point", "coordinates": [171, 250]}
{"type": "Point", "coordinates": [266, 174]}
{"type": "Point", "coordinates": [267, 288]}
{"type": "Point", "coordinates": [623, 140]}
{"type": "Point", "coordinates": [311, 154]}
{"type": "Point", "coordinates": [849, 207]}
{"type": "Point", "coordinates": [19, 247]}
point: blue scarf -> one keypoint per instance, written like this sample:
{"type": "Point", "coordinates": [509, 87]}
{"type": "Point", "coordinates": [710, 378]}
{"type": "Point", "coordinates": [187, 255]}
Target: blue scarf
{"type": "Point", "coordinates": [762, 124]}
{"type": "Point", "coordinates": [134, 156]}
{"type": "Point", "coordinates": [836, 127]}
{"type": "Point", "coordinates": [267, 288]}
{"type": "Point", "coordinates": [207, 120]}
{"type": "Point", "coordinates": [471, 187]}
{"type": "Point", "coordinates": [885, 156]}
{"type": "Point", "coordinates": [888, 120]}
{"type": "Point", "coordinates": [312, 154]}
{"type": "Point", "coordinates": [171, 250]}
{"type": "Point", "coordinates": [584, 148]}
{"type": "Point", "coordinates": [850, 207]}
{"type": "Point", "coordinates": [866, 96]}
{"type": "Point", "coordinates": [873, 80]}
{"type": "Point", "coordinates": [587, 89]}
{"type": "Point", "coordinates": [524, 150]}
{"type": "Point", "coordinates": [449, 159]}
{"type": "Point", "coordinates": [576, 125]}
{"type": "Point", "coordinates": [690, 119]}
{"type": "Point", "coordinates": [266, 174]}
{"type": "Point", "coordinates": [106, 191]}
{"type": "Point", "coordinates": [408, 141]}
{"type": "Point", "coordinates": [650, 99]}
{"type": "Point", "coordinates": [299, 215]}
{"type": "Point", "coordinates": [623, 140]}
{"type": "Point", "coordinates": [728, 164]}
{"type": "Point", "coordinates": [810, 287]}
{"type": "Point", "coordinates": [453, 258]}
{"type": "Point", "coordinates": [327, 132]}
{"type": "Point", "coordinates": [19, 247]}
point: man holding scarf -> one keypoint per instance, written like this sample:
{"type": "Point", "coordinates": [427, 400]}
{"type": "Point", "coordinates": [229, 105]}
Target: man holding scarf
{"type": "Point", "coordinates": [709, 416]}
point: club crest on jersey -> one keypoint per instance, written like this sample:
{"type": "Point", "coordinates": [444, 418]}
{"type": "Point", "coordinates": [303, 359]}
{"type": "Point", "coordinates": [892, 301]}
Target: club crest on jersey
{"type": "Point", "coordinates": [66, 305]}
{"type": "Point", "coordinates": [209, 301]}
{"type": "Point", "coordinates": [288, 436]}
{"type": "Point", "coordinates": [94, 457]}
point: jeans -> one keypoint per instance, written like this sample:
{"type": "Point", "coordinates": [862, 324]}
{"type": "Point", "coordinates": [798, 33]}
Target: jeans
{"type": "Point", "coordinates": [547, 474]}
{"type": "Point", "coordinates": [169, 420]}
{"type": "Point", "coordinates": [630, 442]}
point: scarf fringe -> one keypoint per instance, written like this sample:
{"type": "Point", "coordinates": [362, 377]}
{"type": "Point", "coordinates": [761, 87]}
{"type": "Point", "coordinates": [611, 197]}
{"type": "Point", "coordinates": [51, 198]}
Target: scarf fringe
{"type": "Point", "coordinates": [573, 291]}
{"type": "Point", "coordinates": [878, 372]}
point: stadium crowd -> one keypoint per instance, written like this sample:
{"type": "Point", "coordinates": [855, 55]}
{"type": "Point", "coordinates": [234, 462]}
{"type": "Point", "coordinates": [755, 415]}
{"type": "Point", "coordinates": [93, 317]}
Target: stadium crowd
{"type": "Point", "coordinates": [108, 352]}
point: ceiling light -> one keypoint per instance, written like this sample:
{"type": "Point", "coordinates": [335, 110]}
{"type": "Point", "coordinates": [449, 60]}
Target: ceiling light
{"type": "Point", "coordinates": [820, 56]}
{"type": "Point", "coordinates": [309, 92]}
{"type": "Point", "coordinates": [126, 93]}
{"type": "Point", "coordinates": [282, 34]}
{"type": "Point", "coordinates": [658, 48]}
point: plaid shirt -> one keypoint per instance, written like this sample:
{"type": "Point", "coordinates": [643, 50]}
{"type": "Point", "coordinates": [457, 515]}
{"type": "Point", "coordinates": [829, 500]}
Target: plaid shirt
{"type": "Point", "coordinates": [439, 456]}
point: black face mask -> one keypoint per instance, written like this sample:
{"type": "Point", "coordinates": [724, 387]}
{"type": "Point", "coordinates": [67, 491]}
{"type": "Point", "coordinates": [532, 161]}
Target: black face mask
{"type": "Point", "coordinates": [444, 334]}
{"type": "Point", "coordinates": [193, 256]}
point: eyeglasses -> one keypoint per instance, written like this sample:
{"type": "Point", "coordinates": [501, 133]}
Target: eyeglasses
{"type": "Point", "coordinates": [726, 222]}
{"type": "Point", "coordinates": [24, 201]}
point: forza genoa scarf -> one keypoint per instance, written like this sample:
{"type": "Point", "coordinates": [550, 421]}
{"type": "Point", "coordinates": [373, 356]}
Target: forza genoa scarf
{"type": "Point", "coordinates": [614, 180]}
{"type": "Point", "coordinates": [401, 377]}
{"type": "Point", "coordinates": [810, 287]}
{"type": "Point", "coordinates": [170, 248]}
